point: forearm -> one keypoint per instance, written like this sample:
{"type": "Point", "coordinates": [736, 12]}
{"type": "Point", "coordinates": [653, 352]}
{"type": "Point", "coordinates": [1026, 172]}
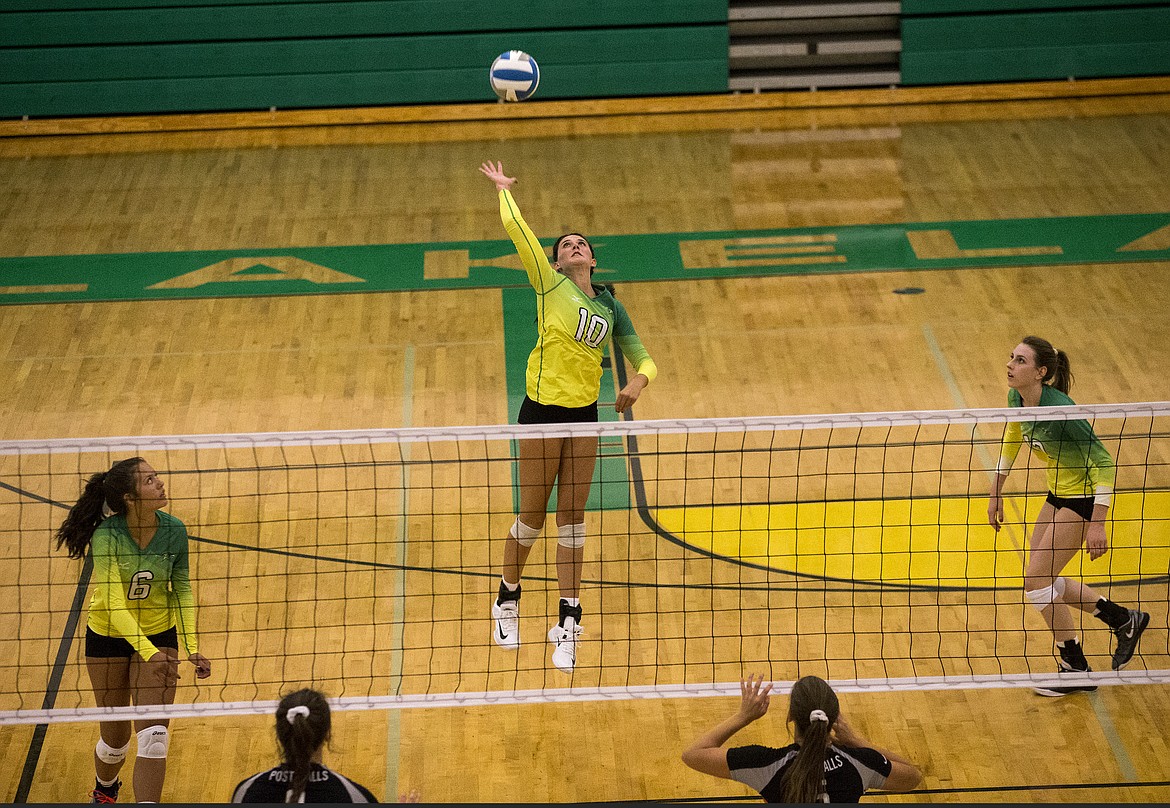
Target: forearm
{"type": "Point", "coordinates": [849, 737]}
{"type": "Point", "coordinates": [718, 735]}
{"type": "Point", "coordinates": [894, 756]}
{"type": "Point", "coordinates": [997, 482]}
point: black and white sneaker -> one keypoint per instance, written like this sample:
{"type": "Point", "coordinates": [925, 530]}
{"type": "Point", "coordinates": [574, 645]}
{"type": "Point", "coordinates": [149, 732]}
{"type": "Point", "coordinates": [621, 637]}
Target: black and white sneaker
{"type": "Point", "coordinates": [506, 624]}
{"type": "Point", "coordinates": [1056, 692]}
{"type": "Point", "coordinates": [564, 639]}
{"type": "Point", "coordinates": [1128, 636]}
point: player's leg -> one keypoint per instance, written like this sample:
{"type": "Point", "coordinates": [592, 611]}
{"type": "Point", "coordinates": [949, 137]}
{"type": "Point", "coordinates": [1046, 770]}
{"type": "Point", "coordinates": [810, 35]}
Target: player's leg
{"type": "Point", "coordinates": [536, 472]}
{"type": "Point", "coordinates": [110, 679]}
{"type": "Point", "coordinates": [1126, 624]}
{"type": "Point", "coordinates": [150, 767]}
{"type": "Point", "coordinates": [578, 460]}
{"type": "Point", "coordinates": [1056, 538]}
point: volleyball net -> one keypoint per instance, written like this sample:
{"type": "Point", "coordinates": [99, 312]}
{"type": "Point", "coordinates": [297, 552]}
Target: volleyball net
{"type": "Point", "coordinates": [855, 547]}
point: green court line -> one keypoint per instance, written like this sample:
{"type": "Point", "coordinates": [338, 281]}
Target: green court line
{"type": "Point", "coordinates": [641, 257]}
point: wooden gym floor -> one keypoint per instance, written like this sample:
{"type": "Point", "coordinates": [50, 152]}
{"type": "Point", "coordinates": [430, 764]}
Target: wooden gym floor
{"type": "Point", "coordinates": [835, 343]}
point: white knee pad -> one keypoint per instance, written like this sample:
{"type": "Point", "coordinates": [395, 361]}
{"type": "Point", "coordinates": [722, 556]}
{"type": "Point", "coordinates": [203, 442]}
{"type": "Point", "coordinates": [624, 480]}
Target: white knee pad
{"type": "Point", "coordinates": [572, 536]}
{"type": "Point", "coordinates": [108, 754]}
{"type": "Point", "coordinates": [1043, 598]}
{"type": "Point", "coordinates": [154, 742]}
{"type": "Point", "coordinates": [523, 534]}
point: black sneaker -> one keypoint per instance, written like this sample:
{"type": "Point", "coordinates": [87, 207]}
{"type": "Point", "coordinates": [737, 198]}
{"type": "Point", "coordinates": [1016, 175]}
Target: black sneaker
{"type": "Point", "coordinates": [105, 794]}
{"type": "Point", "coordinates": [1128, 636]}
{"type": "Point", "coordinates": [1070, 689]}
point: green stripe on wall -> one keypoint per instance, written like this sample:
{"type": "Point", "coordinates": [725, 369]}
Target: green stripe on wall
{"type": "Point", "coordinates": [1033, 46]}
{"type": "Point", "coordinates": [66, 22]}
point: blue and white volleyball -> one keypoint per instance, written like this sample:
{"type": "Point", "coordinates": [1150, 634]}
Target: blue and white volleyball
{"type": "Point", "coordinates": [514, 75]}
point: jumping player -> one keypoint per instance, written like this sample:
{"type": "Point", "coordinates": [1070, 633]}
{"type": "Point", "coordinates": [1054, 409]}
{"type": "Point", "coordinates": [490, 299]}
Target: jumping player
{"type": "Point", "coordinates": [575, 321]}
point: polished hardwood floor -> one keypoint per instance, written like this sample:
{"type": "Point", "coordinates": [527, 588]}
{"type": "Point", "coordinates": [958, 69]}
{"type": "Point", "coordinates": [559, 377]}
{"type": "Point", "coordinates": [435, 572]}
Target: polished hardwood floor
{"type": "Point", "coordinates": [834, 343]}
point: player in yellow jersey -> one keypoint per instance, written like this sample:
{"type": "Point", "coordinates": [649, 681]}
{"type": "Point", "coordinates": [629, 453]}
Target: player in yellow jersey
{"type": "Point", "coordinates": [1080, 485]}
{"type": "Point", "coordinates": [141, 585]}
{"type": "Point", "coordinates": [575, 321]}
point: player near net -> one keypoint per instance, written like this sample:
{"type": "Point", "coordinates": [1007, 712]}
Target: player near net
{"type": "Point", "coordinates": [141, 583]}
{"type": "Point", "coordinates": [575, 321]}
{"type": "Point", "coordinates": [829, 762]}
{"type": "Point", "coordinates": [1080, 474]}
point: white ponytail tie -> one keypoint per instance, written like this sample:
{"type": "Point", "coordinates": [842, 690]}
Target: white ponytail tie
{"type": "Point", "coordinates": [293, 712]}
{"type": "Point", "coordinates": [818, 715]}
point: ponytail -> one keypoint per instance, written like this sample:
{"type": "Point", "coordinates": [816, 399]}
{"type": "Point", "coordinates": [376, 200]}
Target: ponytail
{"type": "Point", "coordinates": [1057, 370]}
{"type": "Point", "coordinates": [1062, 374]}
{"type": "Point", "coordinates": [813, 709]}
{"type": "Point", "coordinates": [303, 725]}
{"type": "Point", "coordinates": [104, 490]}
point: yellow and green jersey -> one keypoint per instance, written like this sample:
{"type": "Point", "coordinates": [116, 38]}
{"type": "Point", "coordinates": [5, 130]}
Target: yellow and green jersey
{"type": "Point", "coordinates": [573, 329]}
{"type": "Point", "coordinates": [139, 592]}
{"type": "Point", "coordinates": [1078, 464]}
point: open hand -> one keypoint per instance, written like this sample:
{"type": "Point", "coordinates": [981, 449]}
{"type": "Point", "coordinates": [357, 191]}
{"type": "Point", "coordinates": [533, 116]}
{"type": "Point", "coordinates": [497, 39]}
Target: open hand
{"type": "Point", "coordinates": [755, 697]}
{"type": "Point", "coordinates": [495, 173]}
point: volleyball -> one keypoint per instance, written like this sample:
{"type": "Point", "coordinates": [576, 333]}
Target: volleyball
{"type": "Point", "coordinates": [514, 75]}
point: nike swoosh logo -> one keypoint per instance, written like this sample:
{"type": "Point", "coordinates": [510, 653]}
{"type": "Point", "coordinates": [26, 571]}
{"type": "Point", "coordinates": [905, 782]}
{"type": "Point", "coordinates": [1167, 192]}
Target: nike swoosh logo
{"type": "Point", "coordinates": [503, 636]}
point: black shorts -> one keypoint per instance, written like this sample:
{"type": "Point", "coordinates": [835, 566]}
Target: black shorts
{"type": "Point", "coordinates": [1081, 506]}
{"type": "Point", "coordinates": [534, 413]}
{"type": "Point", "coordinates": [103, 647]}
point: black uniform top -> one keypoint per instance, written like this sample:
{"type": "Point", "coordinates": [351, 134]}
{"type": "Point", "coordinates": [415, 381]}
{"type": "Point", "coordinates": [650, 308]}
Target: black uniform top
{"type": "Point", "coordinates": [849, 771]}
{"type": "Point", "coordinates": [324, 786]}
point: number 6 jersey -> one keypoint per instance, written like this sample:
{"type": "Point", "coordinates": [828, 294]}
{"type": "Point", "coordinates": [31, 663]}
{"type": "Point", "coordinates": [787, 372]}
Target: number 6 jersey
{"type": "Point", "coordinates": [138, 591]}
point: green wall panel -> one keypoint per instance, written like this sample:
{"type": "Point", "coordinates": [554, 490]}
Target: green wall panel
{"type": "Point", "coordinates": [241, 76]}
{"type": "Point", "coordinates": [910, 7]}
{"type": "Point", "coordinates": [616, 48]}
{"type": "Point", "coordinates": [108, 57]}
{"type": "Point", "coordinates": [347, 89]}
{"type": "Point", "coordinates": [1035, 46]}
{"type": "Point", "coordinates": [208, 22]}
{"type": "Point", "coordinates": [1036, 64]}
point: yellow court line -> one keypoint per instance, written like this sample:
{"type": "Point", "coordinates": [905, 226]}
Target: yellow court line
{"type": "Point", "coordinates": [932, 542]}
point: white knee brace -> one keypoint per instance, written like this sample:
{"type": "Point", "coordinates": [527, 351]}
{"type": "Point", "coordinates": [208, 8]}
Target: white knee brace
{"type": "Point", "coordinates": [108, 754]}
{"type": "Point", "coordinates": [154, 742]}
{"type": "Point", "coordinates": [1043, 598]}
{"type": "Point", "coordinates": [572, 536]}
{"type": "Point", "coordinates": [523, 534]}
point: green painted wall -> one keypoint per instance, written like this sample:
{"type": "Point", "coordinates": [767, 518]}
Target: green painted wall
{"type": "Point", "coordinates": [976, 41]}
{"type": "Point", "coordinates": [107, 57]}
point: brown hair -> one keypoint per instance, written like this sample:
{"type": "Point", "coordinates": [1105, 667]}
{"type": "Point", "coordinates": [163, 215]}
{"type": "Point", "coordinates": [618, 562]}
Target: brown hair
{"type": "Point", "coordinates": [1057, 372]}
{"type": "Point", "coordinates": [106, 488]}
{"type": "Point", "coordinates": [301, 737]}
{"type": "Point", "coordinates": [804, 781]}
